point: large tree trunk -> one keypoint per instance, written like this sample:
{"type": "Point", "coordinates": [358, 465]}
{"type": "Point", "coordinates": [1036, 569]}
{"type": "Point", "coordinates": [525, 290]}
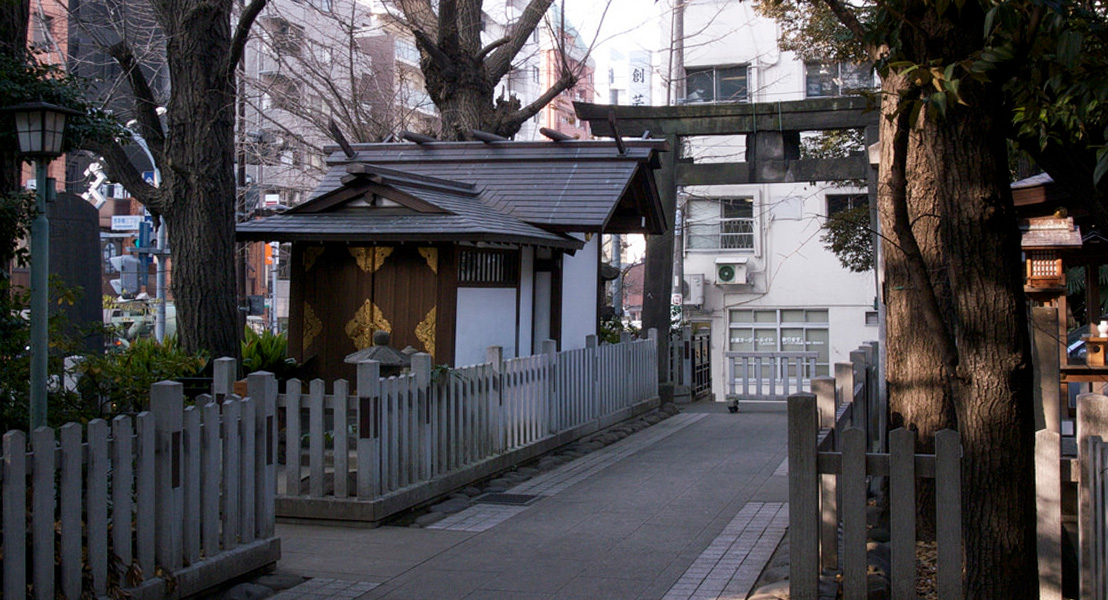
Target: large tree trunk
{"type": "Point", "coordinates": [977, 357]}
{"type": "Point", "coordinates": [918, 382]}
{"type": "Point", "coordinates": [993, 385]}
{"type": "Point", "coordinates": [199, 180]}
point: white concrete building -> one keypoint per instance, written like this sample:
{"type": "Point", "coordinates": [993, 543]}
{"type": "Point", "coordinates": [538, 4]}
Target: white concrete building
{"type": "Point", "coordinates": [752, 265]}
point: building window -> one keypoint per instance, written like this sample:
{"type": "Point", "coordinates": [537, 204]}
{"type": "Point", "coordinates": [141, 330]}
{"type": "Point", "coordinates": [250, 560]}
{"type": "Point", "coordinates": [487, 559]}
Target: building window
{"type": "Point", "coordinates": [716, 84]}
{"type": "Point", "coordinates": [836, 79]}
{"type": "Point", "coordinates": [782, 330]}
{"type": "Point", "coordinates": [720, 224]}
{"type": "Point", "coordinates": [406, 52]}
{"type": "Point", "coordinates": [480, 267]}
{"type": "Point", "coordinates": [535, 74]}
{"type": "Point", "coordinates": [837, 203]}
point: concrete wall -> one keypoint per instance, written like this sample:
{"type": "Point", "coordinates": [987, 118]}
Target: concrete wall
{"type": "Point", "coordinates": [486, 317]}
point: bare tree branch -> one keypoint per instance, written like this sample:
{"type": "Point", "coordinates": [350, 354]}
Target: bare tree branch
{"type": "Point", "coordinates": [500, 61]}
{"type": "Point", "coordinates": [492, 46]}
{"type": "Point", "coordinates": [565, 82]}
{"type": "Point", "coordinates": [121, 170]}
{"type": "Point", "coordinates": [146, 105]}
{"type": "Point", "coordinates": [242, 33]}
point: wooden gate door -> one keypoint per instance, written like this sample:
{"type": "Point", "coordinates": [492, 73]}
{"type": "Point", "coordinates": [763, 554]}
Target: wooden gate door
{"type": "Point", "coordinates": [400, 298]}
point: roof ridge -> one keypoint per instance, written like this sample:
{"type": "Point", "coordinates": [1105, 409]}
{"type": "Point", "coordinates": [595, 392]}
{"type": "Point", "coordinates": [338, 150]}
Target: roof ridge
{"type": "Point", "coordinates": [392, 176]}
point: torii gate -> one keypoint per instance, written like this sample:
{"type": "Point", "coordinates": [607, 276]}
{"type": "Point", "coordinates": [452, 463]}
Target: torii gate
{"type": "Point", "coordinates": [772, 156]}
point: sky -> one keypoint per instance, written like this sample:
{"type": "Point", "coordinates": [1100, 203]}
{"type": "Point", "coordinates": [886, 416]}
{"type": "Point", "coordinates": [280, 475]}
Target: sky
{"type": "Point", "coordinates": [628, 24]}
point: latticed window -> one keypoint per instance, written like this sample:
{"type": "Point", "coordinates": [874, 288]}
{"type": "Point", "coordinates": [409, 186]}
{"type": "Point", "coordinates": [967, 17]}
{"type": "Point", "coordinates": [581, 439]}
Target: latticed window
{"type": "Point", "coordinates": [720, 224]}
{"type": "Point", "coordinates": [482, 267]}
{"type": "Point", "coordinates": [1044, 268]}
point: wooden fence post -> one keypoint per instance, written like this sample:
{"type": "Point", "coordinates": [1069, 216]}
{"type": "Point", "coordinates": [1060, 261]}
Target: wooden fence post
{"type": "Point", "coordinates": [232, 455]}
{"type": "Point", "coordinates": [246, 474]}
{"type": "Point", "coordinates": [421, 367]}
{"type": "Point", "coordinates": [293, 391]}
{"type": "Point", "coordinates": [167, 404]}
{"type": "Point", "coordinates": [224, 373]}
{"type": "Point", "coordinates": [861, 418]}
{"type": "Point", "coordinates": [97, 498]}
{"type": "Point", "coordinates": [824, 390]}
{"type": "Point", "coordinates": [948, 523]}
{"type": "Point", "coordinates": [1048, 484]}
{"type": "Point", "coordinates": [652, 369]}
{"type": "Point", "coordinates": [803, 497]}
{"type": "Point", "coordinates": [902, 508]}
{"type": "Point", "coordinates": [592, 376]}
{"type": "Point", "coordinates": [316, 440]}
{"type": "Point", "coordinates": [262, 387]}
{"type": "Point", "coordinates": [340, 453]}
{"type": "Point", "coordinates": [42, 511]}
{"type": "Point", "coordinates": [211, 478]}
{"type": "Point", "coordinates": [494, 356]}
{"type": "Point", "coordinates": [550, 350]}
{"type": "Point", "coordinates": [15, 514]}
{"type": "Point", "coordinates": [1045, 355]}
{"type": "Point", "coordinates": [369, 429]}
{"type": "Point", "coordinates": [192, 517]}
{"type": "Point", "coordinates": [145, 470]}
{"type": "Point", "coordinates": [69, 500]}
{"type": "Point", "coordinates": [1092, 419]}
{"type": "Point", "coordinates": [853, 487]}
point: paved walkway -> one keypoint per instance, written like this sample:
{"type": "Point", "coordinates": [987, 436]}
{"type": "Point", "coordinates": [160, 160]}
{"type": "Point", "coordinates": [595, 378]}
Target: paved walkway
{"type": "Point", "coordinates": [691, 508]}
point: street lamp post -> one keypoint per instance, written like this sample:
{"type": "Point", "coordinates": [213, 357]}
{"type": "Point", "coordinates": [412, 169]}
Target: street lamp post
{"type": "Point", "coordinates": [40, 127]}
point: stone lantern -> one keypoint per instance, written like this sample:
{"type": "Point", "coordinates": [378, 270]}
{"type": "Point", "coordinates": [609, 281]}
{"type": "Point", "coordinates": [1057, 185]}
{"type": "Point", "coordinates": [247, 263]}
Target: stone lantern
{"type": "Point", "coordinates": [393, 361]}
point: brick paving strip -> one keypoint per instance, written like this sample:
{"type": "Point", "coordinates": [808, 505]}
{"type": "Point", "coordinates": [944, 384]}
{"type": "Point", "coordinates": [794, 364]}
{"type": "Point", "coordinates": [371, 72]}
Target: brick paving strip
{"type": "Point", "coordinates": [730, 565]}
{"type": "Point", "coordinates": [486, 516]}
{"type": "Point", "coordinates": [321, 588]}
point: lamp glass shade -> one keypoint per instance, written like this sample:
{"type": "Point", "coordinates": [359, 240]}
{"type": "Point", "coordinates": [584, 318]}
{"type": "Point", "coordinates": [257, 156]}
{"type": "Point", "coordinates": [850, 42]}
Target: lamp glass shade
{"type": "Point", "coordinates": [40, 130]}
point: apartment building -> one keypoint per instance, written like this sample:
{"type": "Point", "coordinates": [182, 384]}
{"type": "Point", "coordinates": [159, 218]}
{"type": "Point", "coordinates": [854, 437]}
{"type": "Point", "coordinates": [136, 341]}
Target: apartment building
{"type": "Point", "coordinates": [751, 265]}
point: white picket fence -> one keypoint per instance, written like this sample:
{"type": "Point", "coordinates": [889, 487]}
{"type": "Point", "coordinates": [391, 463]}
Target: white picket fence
{"type": "Point", "coordinates": [393, 443]}
{"type": "Point", "coordinates": [768, 377]}
{"type": "Point", "coordinates": [192, 487]}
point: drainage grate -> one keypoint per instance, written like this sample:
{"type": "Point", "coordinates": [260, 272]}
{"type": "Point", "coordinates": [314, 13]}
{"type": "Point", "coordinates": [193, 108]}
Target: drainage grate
{"type": "Point", "coordinates": [508, 499]}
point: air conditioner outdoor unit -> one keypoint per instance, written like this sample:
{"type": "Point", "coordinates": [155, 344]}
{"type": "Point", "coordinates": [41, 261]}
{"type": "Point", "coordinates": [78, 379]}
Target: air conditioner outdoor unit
{"type": "Point", "coordinates": [694, 288]}
{"type": "Point", "coordinates": [731, 271]}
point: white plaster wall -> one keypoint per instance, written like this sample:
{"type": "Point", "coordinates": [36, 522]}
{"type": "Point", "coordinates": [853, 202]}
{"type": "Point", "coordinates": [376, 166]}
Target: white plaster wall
{"type": "Point", "coordinates": [791, 270]}
{"type": "Point", "coordinates": [526, 298]}
{"type": "Point", "coordinates": [579, 294]}
{"type": "Point", "coordinates": [724, 32]}
{"type": "Point", "coordinates": [486, 317]}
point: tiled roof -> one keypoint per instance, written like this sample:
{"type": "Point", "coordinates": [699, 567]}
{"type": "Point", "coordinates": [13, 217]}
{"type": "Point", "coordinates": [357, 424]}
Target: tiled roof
{"type": "Point", "coordinates": [503, 191]}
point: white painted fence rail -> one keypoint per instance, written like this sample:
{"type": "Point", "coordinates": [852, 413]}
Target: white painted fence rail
{"type": "Point", "coordinates": [760, 377]}
{"type": "Point", "coordinates": [191, 486]}
{"type": "Point", "coordinates": [393, 443]}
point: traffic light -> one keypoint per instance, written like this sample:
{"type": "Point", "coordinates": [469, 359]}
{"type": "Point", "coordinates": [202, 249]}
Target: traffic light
{"type": "Point", "coordinates": [129, 268]}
